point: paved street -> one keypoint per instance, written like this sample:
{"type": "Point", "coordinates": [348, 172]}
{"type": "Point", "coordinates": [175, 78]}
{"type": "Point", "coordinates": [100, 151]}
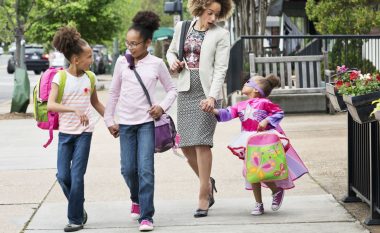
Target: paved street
{"type": "Point", "coordinates": [7, 82]}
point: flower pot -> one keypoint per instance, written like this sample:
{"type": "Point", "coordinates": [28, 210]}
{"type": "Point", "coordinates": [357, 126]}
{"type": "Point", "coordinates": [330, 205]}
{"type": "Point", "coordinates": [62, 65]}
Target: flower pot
{"type": "Point", "coordinates": [335, 98]}
{"type": "Point", "coordinates": [360, 107]}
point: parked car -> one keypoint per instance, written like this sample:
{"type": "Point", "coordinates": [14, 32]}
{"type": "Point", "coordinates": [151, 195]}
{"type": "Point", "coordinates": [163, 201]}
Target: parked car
{"type": "Point", "coordinates": [35, 59]}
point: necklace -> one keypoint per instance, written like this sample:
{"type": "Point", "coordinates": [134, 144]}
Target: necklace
{"type": "Point", "coordinates": [199, 27]}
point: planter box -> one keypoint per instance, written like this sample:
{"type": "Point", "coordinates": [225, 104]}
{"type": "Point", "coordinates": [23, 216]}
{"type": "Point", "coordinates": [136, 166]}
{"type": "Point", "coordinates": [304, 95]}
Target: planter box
{"type": "Point", "coordinates": [360, 107]}
{"type": "Point", "coordinates": [335, 98]}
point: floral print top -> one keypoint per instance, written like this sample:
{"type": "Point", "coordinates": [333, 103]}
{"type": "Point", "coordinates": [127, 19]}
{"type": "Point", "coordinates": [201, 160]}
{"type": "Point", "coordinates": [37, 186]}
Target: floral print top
{"type": "Point", "coordinates": [192, 48]}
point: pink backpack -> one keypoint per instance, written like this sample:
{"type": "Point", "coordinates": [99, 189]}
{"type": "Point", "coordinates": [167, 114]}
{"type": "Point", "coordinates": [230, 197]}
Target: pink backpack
{"type": "Point", "coordinates": [49, 120]}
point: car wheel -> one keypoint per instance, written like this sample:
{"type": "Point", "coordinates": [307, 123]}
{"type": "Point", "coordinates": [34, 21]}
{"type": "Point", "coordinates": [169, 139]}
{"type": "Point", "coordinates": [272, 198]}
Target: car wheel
{"type": "Point", "coordinates": [37, 72]}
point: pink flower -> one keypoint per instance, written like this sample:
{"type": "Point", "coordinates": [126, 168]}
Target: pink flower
{"type": "Point", "coordinates": [341, 69]}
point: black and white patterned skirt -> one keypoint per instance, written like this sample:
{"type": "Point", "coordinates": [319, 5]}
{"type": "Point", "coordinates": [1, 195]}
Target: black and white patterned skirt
{"type": "Point", "coordinates": [195, 127]}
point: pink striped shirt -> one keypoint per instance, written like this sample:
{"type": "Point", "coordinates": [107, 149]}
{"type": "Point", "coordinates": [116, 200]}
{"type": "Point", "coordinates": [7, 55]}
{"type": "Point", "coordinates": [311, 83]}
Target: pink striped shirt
{"type": "Point", "coordinates": [127, 94]}
{"type": "Point", "coordinates": [77, 94]}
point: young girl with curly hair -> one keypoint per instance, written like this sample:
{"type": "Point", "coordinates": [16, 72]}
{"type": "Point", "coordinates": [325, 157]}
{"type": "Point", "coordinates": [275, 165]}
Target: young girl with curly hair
{"type": "Point", "coordinates": [76, 121]}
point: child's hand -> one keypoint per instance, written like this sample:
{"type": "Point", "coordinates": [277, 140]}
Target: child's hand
{"type": "Point", "coordinates": [207, 105]}
{"type": "Point", "coordinates": [114, 130]}
{"type": "Point", "coordinates": [156, 111]}
{"type": "Point", "coordinates": [262, 125]}
{"type": "Point", "coordinates": [83, 117]}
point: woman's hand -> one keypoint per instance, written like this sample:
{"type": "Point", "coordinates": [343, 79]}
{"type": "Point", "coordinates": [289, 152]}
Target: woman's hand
{"type": "Point", "coordinates": [177, 66]}
{"type": "Point", "coordinates": [262, 125]}
{"type": "Point", "coordinates": [207, 105]}
{"type": "Point", "coordinates": [156, 111]}
{"type": "Point", "coordinates": [114, 130]}
{"type": "Point", "coordinates": [83, 117]}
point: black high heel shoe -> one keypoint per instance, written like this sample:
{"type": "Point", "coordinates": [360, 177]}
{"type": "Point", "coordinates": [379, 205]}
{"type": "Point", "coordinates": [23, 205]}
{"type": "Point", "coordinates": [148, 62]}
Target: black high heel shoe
{"type": "Point", "coordinates": [199, 213]}
{"type": "Point", "coordinates": [211, 199]}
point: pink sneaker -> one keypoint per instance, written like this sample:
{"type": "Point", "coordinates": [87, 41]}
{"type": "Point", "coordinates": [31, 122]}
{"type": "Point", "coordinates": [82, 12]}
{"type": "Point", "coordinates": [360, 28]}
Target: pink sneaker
{"type": "Point", "coordinates": [135, 211]}
{"type": "Point", "coordinates": [146, 225]}
{"type": "Point", "coordinates": [277, 200]}
{"type": "Point", "coordinates": [258, 210]}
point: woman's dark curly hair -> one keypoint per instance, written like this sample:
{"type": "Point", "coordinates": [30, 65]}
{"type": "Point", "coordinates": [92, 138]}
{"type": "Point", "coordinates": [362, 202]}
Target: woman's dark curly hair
{"type": "Point", "coordinates": [146, 22]}
{"type": "Point", "coordinates": [68, 41]}
{"type": "Point", "coordinates": [197, 7]}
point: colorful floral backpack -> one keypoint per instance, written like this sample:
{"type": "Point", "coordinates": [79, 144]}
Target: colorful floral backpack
{"type": "Point", "coordinates": [265, 158]}
{"type": "Point", "coordinates": [49, 120]}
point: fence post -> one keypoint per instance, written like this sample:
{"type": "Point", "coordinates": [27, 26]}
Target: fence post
{"type": "Point", "coordinates": [374, 216]}
{"type": "Point", "coordinates": [351, 195]}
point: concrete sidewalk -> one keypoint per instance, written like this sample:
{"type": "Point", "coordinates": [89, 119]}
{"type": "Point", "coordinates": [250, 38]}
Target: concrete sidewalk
{"type": "Point", "coordinates": [32, 201]}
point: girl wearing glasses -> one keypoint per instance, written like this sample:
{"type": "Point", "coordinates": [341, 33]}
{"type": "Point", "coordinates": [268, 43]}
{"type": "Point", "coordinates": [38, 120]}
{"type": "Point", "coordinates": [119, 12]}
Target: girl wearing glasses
{"type": "Point", "coordinates": [258, 113]}
{"type": "Point", "coordinates": [135, 116]}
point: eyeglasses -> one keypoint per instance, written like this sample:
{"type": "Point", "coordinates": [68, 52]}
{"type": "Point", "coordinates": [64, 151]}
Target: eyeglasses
{"type": "Point", "coordinates": [132, 44]}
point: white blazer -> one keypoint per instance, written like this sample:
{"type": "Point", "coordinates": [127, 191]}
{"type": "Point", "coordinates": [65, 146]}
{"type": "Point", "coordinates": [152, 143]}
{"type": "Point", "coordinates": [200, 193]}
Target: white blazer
{"type": "Point", "coordinates": [214, 57]}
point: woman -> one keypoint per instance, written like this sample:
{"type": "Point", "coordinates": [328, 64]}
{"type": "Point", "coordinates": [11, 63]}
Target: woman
{"type": "Point", "coordinates": [202, 73]}
{"type": "Point", "coordinates": [136, 126]}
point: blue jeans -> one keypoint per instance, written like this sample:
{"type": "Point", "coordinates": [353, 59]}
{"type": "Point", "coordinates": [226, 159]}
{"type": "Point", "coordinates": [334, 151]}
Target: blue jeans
{"type": "Point", "coordinates": [137, 165]}
{"type": "Point", "coordinates": [73, 152]}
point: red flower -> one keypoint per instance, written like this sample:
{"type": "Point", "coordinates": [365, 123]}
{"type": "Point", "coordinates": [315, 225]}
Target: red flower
{"type": "Point", "coordinates": [348, 84]}
{"type": "Point", "coordinates": [378, 77]}
{"type": "Point", "coordinates": [338, 83]}
{"type": "Point", "coordinates": [354, 76]}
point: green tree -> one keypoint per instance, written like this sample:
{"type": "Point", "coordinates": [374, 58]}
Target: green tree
{"type": "Point", "coordinates": [37, 20]}
{"type": "Point", "coordinates": [96, 20]}
{"type": "Point", "coordinates": [343, 16]}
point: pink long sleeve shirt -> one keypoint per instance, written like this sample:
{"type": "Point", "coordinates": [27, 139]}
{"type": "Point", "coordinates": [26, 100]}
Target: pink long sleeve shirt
{"type": "Point", "coordinates": [127, 95]}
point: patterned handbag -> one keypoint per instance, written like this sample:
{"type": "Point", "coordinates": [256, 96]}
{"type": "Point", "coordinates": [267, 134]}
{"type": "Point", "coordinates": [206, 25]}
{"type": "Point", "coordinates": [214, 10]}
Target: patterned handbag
{"type": "Point", "coordinates": [265, 158]}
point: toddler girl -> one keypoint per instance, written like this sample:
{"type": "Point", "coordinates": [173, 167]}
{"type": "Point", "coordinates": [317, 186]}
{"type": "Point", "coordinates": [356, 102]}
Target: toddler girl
{"type": "Point", "coordinates": [258, 113]}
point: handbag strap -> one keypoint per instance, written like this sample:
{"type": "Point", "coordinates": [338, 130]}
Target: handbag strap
{"type": "Point", "coordinates": [131, 62]}
{"type": "Point", "coordinates": [184, 29]}
{"type": "Point", "coordinates": [143, 86]}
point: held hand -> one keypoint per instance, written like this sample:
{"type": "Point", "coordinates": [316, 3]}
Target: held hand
{"type": "Point", "coordinates": [156, 111]}
{"type": "Point", "coordinates": [83, 118]}
{"type": "Point", "coordinates": [114, 130]}
{"type": "Point", "coordinates": [207, 105]}
{"type": "Point", "coordinates": [177, 66]}
{"type": "Point", "coordinates": [262, 125]}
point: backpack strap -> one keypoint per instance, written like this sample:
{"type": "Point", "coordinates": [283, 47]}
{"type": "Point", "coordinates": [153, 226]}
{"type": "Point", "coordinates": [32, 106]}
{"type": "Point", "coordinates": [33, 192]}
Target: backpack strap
{"type": "Point", "coordinates": [91, 75]}
{"type": "Point", "coordinates": [51, 115]}
{"type": "Point", "coordinates": [62, 83]}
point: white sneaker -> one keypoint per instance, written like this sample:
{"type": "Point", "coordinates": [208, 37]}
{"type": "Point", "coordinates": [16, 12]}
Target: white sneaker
{"type": "Point", "coordinates": [258, 210]}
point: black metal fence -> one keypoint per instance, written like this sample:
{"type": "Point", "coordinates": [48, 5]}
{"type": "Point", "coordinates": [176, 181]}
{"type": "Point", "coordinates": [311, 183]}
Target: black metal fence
{"type": "Point", "coordinates": [354, 51]}
{"type": "Point", "coordinates": [363, 167]}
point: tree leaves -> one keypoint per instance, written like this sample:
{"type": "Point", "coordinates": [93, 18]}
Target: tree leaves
{"type": "Point", "coordinates": [343, 16]}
